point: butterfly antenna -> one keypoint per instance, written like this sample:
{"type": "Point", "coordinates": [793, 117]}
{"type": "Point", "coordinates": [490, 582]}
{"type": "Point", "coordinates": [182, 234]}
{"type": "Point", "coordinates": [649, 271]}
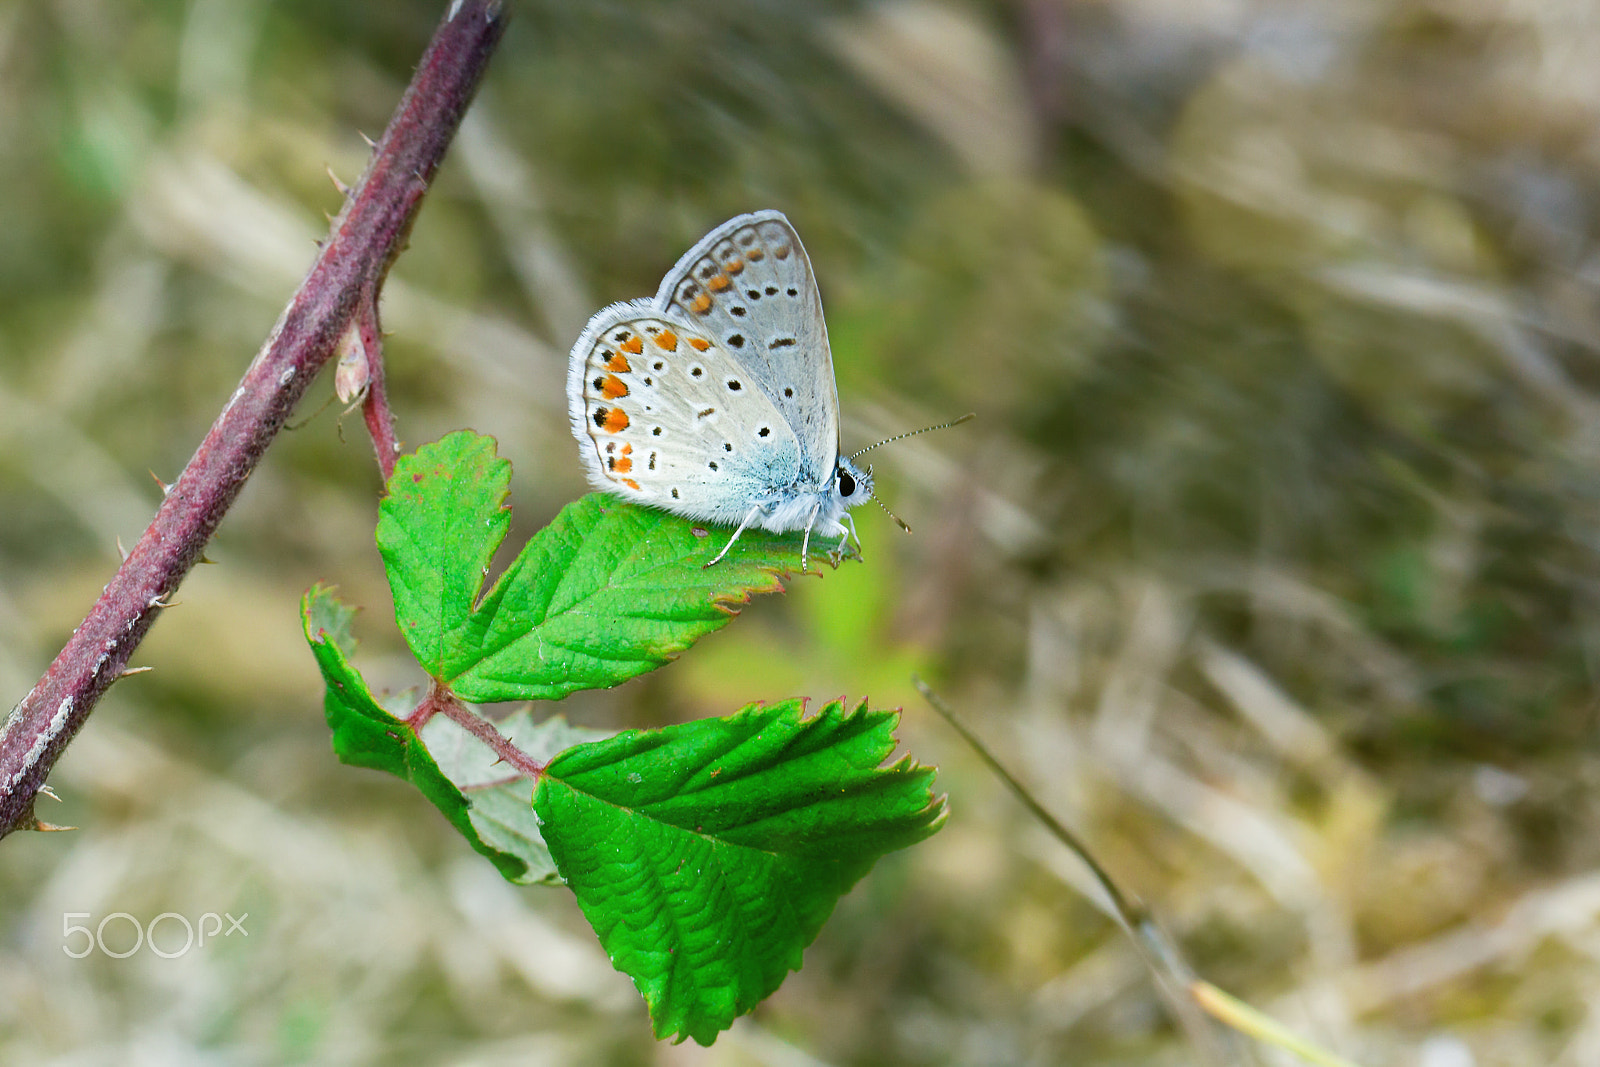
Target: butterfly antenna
{"type": "Point", "coordinates": [912, 433]}
{"type": "Point", "coordinates": [897, 519]}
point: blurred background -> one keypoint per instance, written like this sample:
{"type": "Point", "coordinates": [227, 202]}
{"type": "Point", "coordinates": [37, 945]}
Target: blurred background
{"type": "Point", "coordinates": [1270, 562]}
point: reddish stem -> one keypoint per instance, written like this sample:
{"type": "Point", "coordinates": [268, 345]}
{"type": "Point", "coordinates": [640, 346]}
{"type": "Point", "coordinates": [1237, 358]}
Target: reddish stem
{"type": "Point", "coordinates": [441, 701]}
{"type": "Point", "coordinates": [426, 709]}
{"type": "Point", "coordinates": [375, 406]}
{"type": "Point", "coordinates": [342, 287]}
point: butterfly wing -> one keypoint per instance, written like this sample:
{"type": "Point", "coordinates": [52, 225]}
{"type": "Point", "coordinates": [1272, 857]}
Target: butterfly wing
{"type": "Point", "coordinates": [666, 416]}
{"type": "Point", "coordinates": [748, 285]}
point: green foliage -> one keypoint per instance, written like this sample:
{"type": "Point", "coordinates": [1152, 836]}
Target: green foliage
{"type": "Point", "coordinates": [367, 735]}
{"type": "Point", "coordinates": [606, 592]}
{"type": "Point", "coordinates": [706, 855]}
{"type": "Point", "coordinates": [441, 520]}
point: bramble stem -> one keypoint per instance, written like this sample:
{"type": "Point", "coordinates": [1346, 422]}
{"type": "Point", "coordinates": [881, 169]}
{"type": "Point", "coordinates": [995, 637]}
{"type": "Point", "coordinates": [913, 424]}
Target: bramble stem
{"type": "Point", "coordinates": [342, 288]}
{"type": "Point", "coordinates": [375, 406]}
{"type": "Point", "coordinates": [485, 731]}
{"type": "Point", "coordinates": [441, 701]}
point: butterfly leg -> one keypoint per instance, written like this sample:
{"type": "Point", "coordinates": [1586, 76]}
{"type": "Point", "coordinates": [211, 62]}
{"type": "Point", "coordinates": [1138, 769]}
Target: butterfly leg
{"type": "Point", "coordinates": [748, 519]}
{"type": "Point", "coordinates": [846, 532]}
{"type": "Point", "coordinates": [851, 536]}
{"type": "Point", "coordinates": [805, 542]}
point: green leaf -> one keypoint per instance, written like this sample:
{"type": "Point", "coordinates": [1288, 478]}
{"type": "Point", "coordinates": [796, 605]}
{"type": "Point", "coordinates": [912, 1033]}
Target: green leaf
{"type": "Point", "coordinates": [610, 590]}
{"type": "Point", "coordinates": [442, 517]}
{"type": "Point", "coordinates": [708, 855]}
{"type": "Point", "coordinates": [607, 591]}
{"type": "Point", "coordinates": [366, 735]}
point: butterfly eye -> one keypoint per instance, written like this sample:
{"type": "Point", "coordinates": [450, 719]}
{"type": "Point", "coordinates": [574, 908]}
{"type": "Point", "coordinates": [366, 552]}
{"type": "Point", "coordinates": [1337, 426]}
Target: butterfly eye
{"type": "Point", "coordinates": [847, 484]}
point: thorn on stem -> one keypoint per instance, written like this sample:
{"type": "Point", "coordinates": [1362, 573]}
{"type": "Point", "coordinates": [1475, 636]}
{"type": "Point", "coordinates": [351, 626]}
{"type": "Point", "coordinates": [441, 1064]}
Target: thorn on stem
{"type": "Point", "coordinates": [134, 670]}
{"type": "Point", "coordinates": [344, 190]}
{"type": "Point", "coordinates": [51, 793]}
{"type": "Point", "coordinates": [122, 552]}
{"type": "Point", "coordinates": [165, 486]}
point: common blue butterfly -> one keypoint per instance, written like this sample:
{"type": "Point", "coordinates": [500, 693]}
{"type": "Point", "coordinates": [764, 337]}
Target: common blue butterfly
{"type": "Point", "coordinates": [715, 399]}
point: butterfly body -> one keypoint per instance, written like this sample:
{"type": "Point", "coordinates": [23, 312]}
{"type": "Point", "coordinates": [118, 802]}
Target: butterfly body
{"type": "Point", "coordinates": [715, 399]}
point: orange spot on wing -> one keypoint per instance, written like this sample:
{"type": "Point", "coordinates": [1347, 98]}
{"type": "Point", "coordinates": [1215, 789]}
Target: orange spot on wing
{"type": "Point", "coordinates": [668, 340]}
{"type": "Point", "coordinates": [755, 255]}
{"type": "Point", "coordinates": [627, 450]}
{"type": "Point", "coordinates": [613, 387]}
{"type": "Point", "coordinates": [719, 283]}
{"type": "Point", "coordinates": [631, 484]}
{"type": "Point", "coordinates": [618, 364]}
{"type": "Point", "coordinates": [701, 304]}
{"type": "Point", "coordinates": [733, 266]}
{"type": "Point", "coordinates": [623, 466]}
{"type": "Point", "coordinates": [699, 344]}
{"type": "Point", "coordinates": [616, 421]}
{"type": "Point", "coordinates": [634, 344]}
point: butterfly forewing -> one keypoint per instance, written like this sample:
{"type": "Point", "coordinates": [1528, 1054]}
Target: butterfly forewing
{"type": "Point", "coordinates": [665, 415]}
{"type": "Point", "coordinates": [748, 285]}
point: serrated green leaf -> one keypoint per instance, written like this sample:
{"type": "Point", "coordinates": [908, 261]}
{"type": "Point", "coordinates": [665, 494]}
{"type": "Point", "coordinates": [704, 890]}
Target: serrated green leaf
{"type": "Point", "coordinates": [607, 591]}
{"type": "Point", "coordinates": [366, 735]}
{"type": "Point", "coordinates": [708, 855]}
{"type": "Point", "coordinates": [501, 802]}
{"type": "Point", "coordinates": [610, 590]}
{"type": "Point", "coordinates": [442, 517]}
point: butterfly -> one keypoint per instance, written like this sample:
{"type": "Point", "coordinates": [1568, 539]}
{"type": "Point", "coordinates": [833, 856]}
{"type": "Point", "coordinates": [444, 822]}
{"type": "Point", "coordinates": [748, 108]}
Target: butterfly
{"type": "Point", "coordinates": [715, 399]}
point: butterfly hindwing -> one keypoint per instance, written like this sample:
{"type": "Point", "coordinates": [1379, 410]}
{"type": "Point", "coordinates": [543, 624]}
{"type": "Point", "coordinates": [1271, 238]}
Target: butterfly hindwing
{"type": "Point", "coordinates": [748, 285]}
{"type": "Point", "coordinates": [667, 416]}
